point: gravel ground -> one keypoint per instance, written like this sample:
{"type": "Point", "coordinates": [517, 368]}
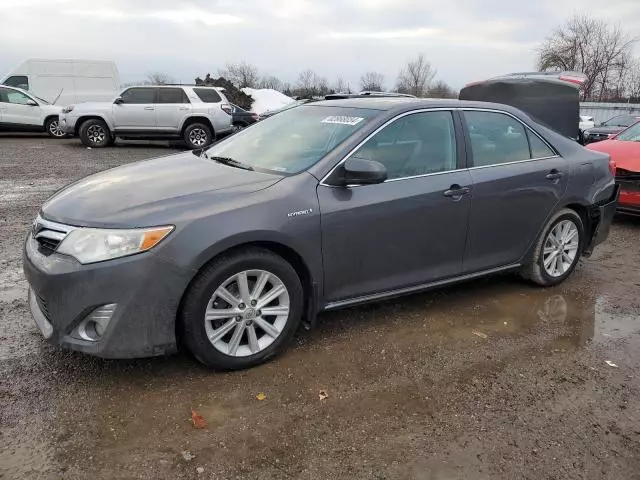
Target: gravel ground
{"type": "Point", "coordinates": [490, 379]}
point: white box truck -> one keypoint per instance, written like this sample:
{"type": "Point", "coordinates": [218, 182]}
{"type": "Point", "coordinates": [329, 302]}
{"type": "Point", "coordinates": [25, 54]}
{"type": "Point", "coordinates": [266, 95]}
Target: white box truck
{"type": "Point", "coordinates": [65, 82]}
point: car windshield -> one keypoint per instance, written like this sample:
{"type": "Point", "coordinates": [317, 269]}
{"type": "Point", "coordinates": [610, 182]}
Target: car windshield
{"type": "Point", "coordinates": [620, 121]}
{"type": "Point", "coordinates": [631, 134]}
{"type": "Point", "coordinates": [294, 140]}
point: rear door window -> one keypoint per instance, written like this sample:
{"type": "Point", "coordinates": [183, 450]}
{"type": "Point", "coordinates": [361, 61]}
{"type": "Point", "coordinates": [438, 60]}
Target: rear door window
{"type": "Point", "coordinates": [539, 149]}
{"type": "Point", "coordinates": [139, 96]}
{"type": "Point", "coordinates": [172, 95]}
{"type": "Point", "coordinates": [18, 81]}
{"type": "Point", "coordinates": [496, 138]}
{"type": "Point", "coordinates": [207, 95]}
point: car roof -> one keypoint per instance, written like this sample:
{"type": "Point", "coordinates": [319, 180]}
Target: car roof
{"type": "Point", "coordinates": [401, 104]}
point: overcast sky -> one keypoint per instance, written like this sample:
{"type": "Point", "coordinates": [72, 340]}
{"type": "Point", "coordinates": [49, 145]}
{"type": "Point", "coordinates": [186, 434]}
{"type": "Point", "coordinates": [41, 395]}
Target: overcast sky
{"type": "Point", "coordinates": [465, 40]}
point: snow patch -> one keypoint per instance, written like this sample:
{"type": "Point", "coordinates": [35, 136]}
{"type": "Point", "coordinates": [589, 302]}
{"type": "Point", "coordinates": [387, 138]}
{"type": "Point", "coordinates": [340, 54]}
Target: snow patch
{"type": "Point", "coordinates": [267, 99]}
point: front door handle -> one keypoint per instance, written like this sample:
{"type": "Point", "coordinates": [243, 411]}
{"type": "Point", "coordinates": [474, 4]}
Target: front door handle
{"type": "Point", "coordinates": [148, 108]}
{"type": "Point", "coordinates": [456, 190]}
{"type": "Point", "coordinates": [554, 175]}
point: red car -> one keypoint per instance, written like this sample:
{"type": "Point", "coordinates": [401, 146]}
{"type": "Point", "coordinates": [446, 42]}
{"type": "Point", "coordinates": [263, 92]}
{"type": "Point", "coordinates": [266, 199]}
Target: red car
{"type": "Point", "coordinates": [624, 149]}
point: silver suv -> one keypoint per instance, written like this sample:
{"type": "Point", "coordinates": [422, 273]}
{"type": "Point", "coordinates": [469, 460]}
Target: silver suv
{"type": "Point", "coordinates": [195, 114]}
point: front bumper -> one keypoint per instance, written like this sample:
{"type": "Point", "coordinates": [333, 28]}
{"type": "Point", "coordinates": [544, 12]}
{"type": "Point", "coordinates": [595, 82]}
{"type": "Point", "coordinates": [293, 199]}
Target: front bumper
{"type": "Point", "coordinates": [145, 289]}
{"type": "Point", "coordinates": [67, 123]}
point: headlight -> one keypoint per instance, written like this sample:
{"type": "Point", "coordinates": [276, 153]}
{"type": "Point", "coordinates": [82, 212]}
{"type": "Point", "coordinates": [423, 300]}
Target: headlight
{"type": "Point", "coordinates": [89, 245]}
{"type": "Point", "coordinates": [68, 109]}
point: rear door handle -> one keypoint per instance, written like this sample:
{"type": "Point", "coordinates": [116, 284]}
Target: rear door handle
{"type": "Point", "coordinates": [554, 175]}
{"type": "Point", "coordinates": [148, 108]}
{"type": "Point", "coordinates": [456, 190]}
{"type": "Point", "coordinates": [184, 108]}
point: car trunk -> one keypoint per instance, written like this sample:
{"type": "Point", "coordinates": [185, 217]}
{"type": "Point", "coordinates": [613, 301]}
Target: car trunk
{"type": "Point", "coordinates": [554, 103]}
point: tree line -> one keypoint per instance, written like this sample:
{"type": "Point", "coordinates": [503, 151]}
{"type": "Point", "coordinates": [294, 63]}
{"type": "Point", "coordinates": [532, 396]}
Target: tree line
{"type": "Point", "coordinates": [415, 78]}
{"type": "Point", "coordinates": [603, 52]}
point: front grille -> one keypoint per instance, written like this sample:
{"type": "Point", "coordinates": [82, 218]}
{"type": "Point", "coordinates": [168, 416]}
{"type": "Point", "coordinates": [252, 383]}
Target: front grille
{"type": "Point", "coordinates": [629, 181]}
{"type": "Point", "coordinates": [42, 303]}
{"type": "Point", "coordinates": [48, 235]}
{"type": "Point", "coordinates": [47, 245]}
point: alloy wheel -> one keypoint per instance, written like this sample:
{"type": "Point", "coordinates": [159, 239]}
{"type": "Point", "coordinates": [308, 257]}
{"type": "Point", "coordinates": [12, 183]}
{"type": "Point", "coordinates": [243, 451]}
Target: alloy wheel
{"type": "Point", "coordinates": [247, 313]}
{"type": "Point", "coordinates": [55, 130]}
{"type": "Point", "coordinates": [96, 134]}
{"type": "Point", "coordinates": [560, 249]}
{"type": "Point", "coordinates": [198, 137]}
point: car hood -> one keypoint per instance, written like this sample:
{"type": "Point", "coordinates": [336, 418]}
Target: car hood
{"type": "Point", "coordinates": [153, 192]}
{"type": "Point", "coordinates": [625, 154]}
{"type": "Point", "coordinates": [605, 130]}
{"type": "Point", "coordinates": [48, 109]}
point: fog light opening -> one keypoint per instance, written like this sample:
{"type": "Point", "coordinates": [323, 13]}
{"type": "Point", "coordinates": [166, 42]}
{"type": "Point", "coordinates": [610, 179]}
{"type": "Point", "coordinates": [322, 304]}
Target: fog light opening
{"type": "Point", "coordinates": [93, 327]}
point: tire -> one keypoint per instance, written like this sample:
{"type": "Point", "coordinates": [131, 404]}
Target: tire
{"type": "Point", "coordinates": [198, 135]}
{"type": "Point", "coordinates": [94, 133]}
{"type": "Point", "coordinates": [202, 295]}
{"type": "Point", "coordinates": [536, 271]}
{"type": "Point", "coordinates": [52, 127]}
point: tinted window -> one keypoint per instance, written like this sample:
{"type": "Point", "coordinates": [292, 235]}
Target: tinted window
{"type": "Point", "coordinates": [416, 144]}
{"type": "Point", "coordinates": [139, 95]}
{"type": "Point", "coordinates": [496, 138]}
{"type": "Point", "coordinates": [18, 81]}
{"type": "Point", "coordinates": [621, 121]}
{"type": "Point", "coordinates": [11, 96]}
{"type": "Point", "coordinates": [207, 95]}
{"type": "Point", "coordinates": [172, 95]}
{"type": "Point", "coordinates": [539, 149]}
{"type": "Point", "coordinates": [294, 140]}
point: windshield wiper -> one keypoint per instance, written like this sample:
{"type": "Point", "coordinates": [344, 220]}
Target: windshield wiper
{"type": "Point", "coordinates": [231, 162]}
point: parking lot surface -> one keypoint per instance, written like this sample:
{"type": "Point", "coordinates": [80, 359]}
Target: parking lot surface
{"type": "Point", "coordinates": [491, 379]}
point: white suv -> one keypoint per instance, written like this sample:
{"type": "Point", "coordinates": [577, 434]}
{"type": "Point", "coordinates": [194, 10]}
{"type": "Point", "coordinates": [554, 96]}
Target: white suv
{"type": "Point", "coordinates": [195, 114]}
{"type": "Point", "coordinates": [22, 112]}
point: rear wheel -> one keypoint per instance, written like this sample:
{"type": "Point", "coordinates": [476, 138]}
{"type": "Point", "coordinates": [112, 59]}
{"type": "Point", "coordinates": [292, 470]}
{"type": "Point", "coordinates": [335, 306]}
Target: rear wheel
{"type": "Point", "coordinates": [95, 133]}
{"type": "Point", "coordinates": [198, 135]}
{"type": "Point", "coordinates": [557, 250]}
{"type": "Point", "coordinates": [52, 126]}
{"type": "Point", "coordinates": [242, 309]}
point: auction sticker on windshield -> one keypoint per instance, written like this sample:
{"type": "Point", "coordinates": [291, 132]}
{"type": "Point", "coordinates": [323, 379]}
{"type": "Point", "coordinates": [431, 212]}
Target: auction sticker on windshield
{"type": "Point", "coordinates": [343, 120]}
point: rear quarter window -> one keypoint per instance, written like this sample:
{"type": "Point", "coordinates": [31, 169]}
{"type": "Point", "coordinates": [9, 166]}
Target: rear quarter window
{"type": "Point", "coordinates": [207, 95]}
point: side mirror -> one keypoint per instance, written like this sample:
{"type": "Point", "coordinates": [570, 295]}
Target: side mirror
{"type": "Point", "coordinates": [118, 101]}
{"type": "Point", "coordinates": [32, 103]}
{"type": "Point", "coordinates": [360, 171]}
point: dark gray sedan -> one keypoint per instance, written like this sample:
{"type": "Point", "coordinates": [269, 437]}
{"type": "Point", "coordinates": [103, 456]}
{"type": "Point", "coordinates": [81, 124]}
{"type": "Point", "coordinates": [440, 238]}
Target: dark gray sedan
{"type": "Point", "coordinates": [331, 204]}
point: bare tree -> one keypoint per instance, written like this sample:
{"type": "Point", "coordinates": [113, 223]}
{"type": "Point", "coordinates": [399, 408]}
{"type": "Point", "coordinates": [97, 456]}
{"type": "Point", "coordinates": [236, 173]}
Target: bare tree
{"type": "Point", "coordinates": [632, 81]}
{"type": "Point", "coordinates": [272, 82]}
{"type": "Point", "coordinates": [415, 77]}
{"type": "Point", "coordinates": [441, 89]}
{"type": "Point", "coordinates": [241, 74]}
{"type": "Point", "coordinates": [372, 82]}
{"type": "Point", "coordinates": [590, 46]}
{"type": "Point", "coordinates": [158, 78]}
{"type": "Point", "coordinates": [310, 84]}
{"type": "Point", "coordinates": [342, 86]}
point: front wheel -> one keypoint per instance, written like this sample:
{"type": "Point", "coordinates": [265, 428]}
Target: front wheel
{"type": "Point", "coordinates": [52, 126]}
{"type": "Point", "coordinates": [198, 135]}
{"type": "Point", "coordinates": [242, 309]}
{"type": "Point", "coordinates": [557, 250]}
{"type": "Point", "coordinates": [95, 133]}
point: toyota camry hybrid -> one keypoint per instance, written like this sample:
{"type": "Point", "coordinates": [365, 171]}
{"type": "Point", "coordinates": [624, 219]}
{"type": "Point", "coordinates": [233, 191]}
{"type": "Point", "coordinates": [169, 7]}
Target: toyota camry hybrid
{"type": "Point", "coordinates": [228, 250]}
